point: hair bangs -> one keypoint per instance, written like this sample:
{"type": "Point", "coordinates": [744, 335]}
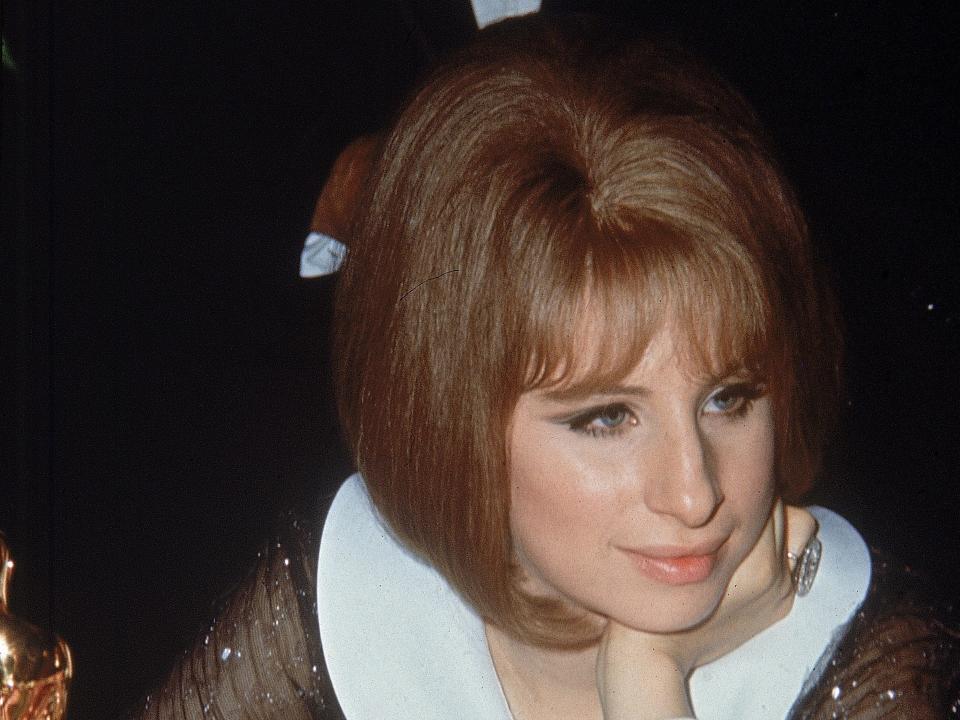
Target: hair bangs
{"type": "Point", "coordinates": [593, 329]}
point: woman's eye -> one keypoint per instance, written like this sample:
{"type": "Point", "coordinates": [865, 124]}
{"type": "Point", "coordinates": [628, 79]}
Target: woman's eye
{"type": "Point", "coordinates": [603, 422]}
{"type": "Point", "coordinates": [734, 400]}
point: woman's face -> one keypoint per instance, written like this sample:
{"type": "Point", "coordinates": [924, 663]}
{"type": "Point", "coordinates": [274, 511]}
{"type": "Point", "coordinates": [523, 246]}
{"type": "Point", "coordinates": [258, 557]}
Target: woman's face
{"type": "Point", "coordinates": [638, 502]}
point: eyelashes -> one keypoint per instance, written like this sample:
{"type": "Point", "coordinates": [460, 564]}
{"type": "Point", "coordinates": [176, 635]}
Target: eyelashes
{"type": "Point", "coordinates": [605, 421]}
{"type": "Point", "coordinates": [737, 399]}
{"type": "Point", "coordinates": [613, 419]}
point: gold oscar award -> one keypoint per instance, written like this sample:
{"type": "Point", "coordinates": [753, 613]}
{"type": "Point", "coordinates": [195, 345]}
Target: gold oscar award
{"type": "Point", "coordinates": [35, 665]}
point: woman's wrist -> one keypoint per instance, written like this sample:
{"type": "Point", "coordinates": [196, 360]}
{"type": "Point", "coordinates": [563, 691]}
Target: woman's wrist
{"type": "Point", "coordinates": [657, 692]}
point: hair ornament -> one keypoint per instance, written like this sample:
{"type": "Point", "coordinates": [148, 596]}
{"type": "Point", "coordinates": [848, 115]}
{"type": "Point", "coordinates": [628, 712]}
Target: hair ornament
{"type": "Point", "coordinates": [321, 255]}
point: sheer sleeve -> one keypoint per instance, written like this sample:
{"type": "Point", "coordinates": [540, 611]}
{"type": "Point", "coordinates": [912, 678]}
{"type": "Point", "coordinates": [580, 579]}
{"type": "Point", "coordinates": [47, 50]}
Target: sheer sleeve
{"type": "Point", "coordinates": [260, 657]}
{"type": "Point", "coordinates": [899, 659]}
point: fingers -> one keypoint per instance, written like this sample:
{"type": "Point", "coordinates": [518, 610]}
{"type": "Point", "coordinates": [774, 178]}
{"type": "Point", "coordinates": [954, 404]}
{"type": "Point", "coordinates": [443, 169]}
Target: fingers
{"type": "Point", "coordinates": [765, 565]}
{"type": "Point", "coordinates": [800, 527]}
{"type": "Point", "coordinates": [779, 526]}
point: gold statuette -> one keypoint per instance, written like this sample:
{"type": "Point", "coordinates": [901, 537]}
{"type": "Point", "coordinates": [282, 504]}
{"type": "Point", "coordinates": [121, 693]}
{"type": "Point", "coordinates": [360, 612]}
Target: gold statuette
{"type": "Point", "coordinates": [35, 665]}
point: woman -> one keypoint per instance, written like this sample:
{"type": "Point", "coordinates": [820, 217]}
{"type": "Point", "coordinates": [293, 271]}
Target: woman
{"type": "Point", "coordinates": [583, 361]}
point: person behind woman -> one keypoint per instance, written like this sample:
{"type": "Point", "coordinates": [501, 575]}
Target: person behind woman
{"type": "Point", "coordinates": [585, 362]}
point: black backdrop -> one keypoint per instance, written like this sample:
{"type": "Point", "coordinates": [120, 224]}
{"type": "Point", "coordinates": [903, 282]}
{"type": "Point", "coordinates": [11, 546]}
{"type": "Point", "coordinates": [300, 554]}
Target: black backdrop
{"type": "Point", "coordinates": [169, 386]}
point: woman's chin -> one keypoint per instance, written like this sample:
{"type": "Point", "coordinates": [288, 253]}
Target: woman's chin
{"type": "Point", "coordinates": [675, 613]}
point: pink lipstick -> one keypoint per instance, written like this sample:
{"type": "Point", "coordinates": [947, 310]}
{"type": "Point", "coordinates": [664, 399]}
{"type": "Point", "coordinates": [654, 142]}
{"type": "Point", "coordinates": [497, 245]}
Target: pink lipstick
{"type": "Point", "coordinates": [674, 568]}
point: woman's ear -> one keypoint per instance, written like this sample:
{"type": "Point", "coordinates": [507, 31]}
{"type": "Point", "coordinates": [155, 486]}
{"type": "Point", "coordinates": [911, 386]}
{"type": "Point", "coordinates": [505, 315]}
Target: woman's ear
{"type": "Point", "coordinates": [341, 193]}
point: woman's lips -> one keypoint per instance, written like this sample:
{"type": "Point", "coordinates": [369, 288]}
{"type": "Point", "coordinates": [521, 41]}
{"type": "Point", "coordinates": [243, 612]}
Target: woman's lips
{"type": "Point", "coordinates": [681, 568]}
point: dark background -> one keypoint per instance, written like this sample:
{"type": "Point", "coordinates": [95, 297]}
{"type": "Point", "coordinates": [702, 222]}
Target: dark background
{"type": "Point", "coordinates": [166, 391]}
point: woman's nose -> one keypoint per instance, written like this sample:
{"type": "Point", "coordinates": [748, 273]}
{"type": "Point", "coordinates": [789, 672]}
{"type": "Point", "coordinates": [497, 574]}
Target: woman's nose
{"type": "Point", "coordinates": [682, 483]}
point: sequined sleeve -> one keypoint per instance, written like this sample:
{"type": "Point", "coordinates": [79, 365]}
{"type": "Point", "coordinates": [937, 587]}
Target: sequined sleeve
{"type": "Point", "coordinates": [899, 659]}
{"type": "Point", "coordinates": [260, 657]}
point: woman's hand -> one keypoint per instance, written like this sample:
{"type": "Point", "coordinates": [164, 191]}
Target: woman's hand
{"type": "Point", "coordinates": [643, 675]}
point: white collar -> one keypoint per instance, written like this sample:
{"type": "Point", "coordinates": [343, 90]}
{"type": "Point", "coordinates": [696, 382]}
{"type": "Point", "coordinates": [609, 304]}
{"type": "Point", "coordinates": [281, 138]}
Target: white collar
{"type": "Point", "coordinates": [400, 643]}
{"type": "Point", "coordinates": [765, 676]}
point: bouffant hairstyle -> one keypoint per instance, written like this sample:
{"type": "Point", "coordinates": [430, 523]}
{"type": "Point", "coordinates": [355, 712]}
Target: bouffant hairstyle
{"type": "Point", "coordinates": [549, 175]}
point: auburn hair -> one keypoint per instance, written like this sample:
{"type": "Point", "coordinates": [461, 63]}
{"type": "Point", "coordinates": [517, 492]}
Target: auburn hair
{"type": "Point", "coordinates": [553, 172]}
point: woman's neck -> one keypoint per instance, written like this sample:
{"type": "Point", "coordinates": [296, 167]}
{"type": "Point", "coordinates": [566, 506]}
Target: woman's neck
{"type": "Point", "coordinates": [545, 682]}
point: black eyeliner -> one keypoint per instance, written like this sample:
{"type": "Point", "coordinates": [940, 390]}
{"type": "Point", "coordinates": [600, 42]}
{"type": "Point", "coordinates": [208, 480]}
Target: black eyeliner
{"type": "Point", "coordinates": [582, 417]}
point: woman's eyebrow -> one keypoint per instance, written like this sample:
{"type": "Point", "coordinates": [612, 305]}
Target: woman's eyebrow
{"type": "Point", "coordinates": [580, 393]}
